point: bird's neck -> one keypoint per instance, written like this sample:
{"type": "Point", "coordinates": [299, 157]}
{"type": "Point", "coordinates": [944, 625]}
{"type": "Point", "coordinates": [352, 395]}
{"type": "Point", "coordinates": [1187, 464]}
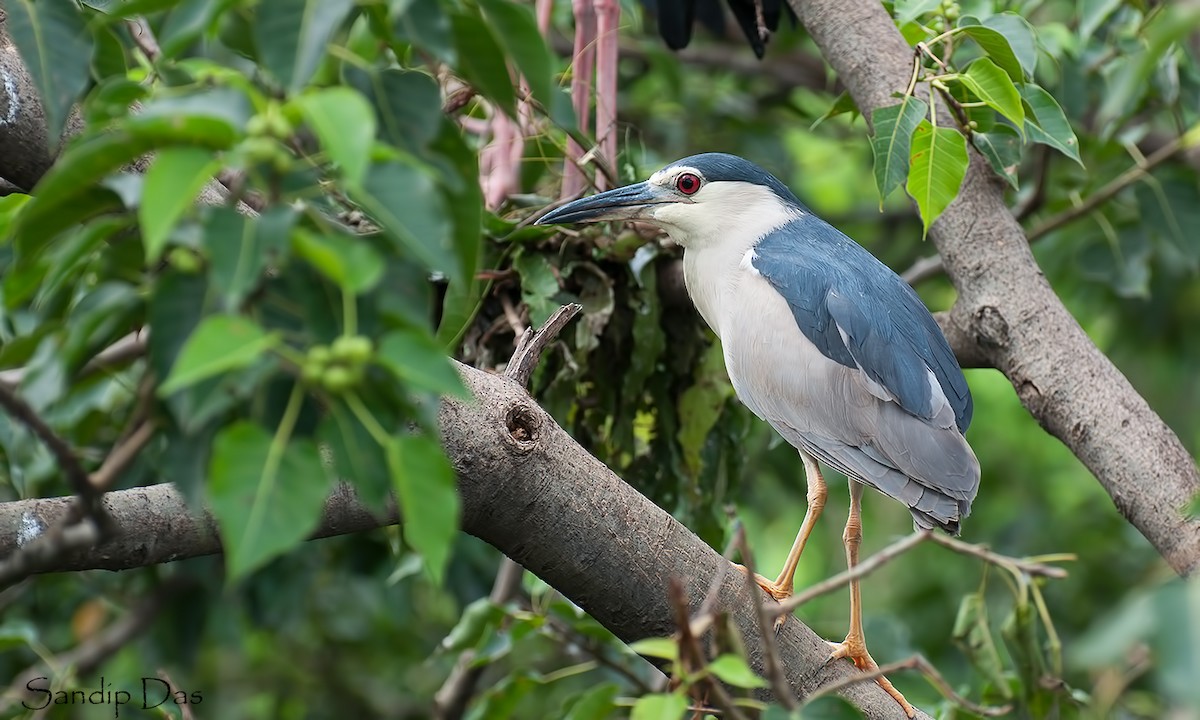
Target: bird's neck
{"type": "Point", "coordinates": [713, 273]}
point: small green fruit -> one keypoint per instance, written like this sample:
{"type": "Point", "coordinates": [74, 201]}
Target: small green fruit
{"type": "Point", "coordinates": [320, 355]}
{"type": "Point", "coordinates": [184, 260]}
{"type": "Point", "coordinates": [338, 379]}
{"type": "Point", "coordinates": [352, 349]}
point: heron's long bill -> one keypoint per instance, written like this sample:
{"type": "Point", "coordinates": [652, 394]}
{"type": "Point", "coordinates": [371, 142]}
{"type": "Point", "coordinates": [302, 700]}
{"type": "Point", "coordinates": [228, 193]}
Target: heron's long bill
{"type": "Point", "coordinates": [623, 203]}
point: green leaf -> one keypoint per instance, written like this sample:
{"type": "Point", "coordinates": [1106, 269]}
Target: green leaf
{"type": "Point", "coordinates": [1002, 148]}
{"type": "Point", "coordinates": [659, 707]}
{"type": "Point", "coordinates": [240, 248]}
{"type": "Point", "coordinates": [357, 458]}
{"type": "Point", "coordinates": [173, 181]}
{"type": "Point", "coordinates": [995, 45]}
{"type": "Point", "coordinates": [539, 285]}
{"type": "Point", "coordinates": [408, 104]}
{"type": "Point", "coordinates": [427, 26]}
{"type": "Point", "coordinates": [415, 358]}
{"type": "Point", "coordinates": [841, 105]}
{"type": "Point", "coordinates": [407, 204]}
{"type": "Point", "coordinates": [425, 486]}
{"type": "Point", "coordinates": [973, 633]}
{"type": "Point", "coordinates": [332, 113]}
{"type": "Point", "coordinates": [894, 126]}
{"type": "Point", "coordinates": [1020, 36]}
{"type": "Point", "coordinates": [350, 262]}
{"type": "Point", "coordinates": [17, 633]}
{"type": "Point", "coordinates": [482, 62]}
{"type": "Point", "coordinates": [464, 296]}
{"type": "Point", "coordinates": [906, 11]}
{"type": "Point", "coordinates": [56, 204]}
{"type": "Point", "coordinates": [56, 47]}
{"type": "Point", "coordinates": [992, 85]}
{"type": "Point", "coordinates": [700, 407]}
{"type": "Point", "coordinates": [733, 670]}
{"type": "Point", "coordinates": [1093, 13]}
{"type": "Point", "coordinates": [266, 497]}
{"type": "Point", "coordinates": [292, 36]}
{"type": "Point", "coordinates": [478, 618]}
{"type": "Point", "coordinates": [662, 648]}
{"type": "Point", "coordinates": [98, 318]}
{"type": "Point", "coordinates": [595, 704]}
{"type": "Point", "coordinates": [219, 344]}
{"type": "Point", "coordinates": [1047, 124]}
{"type": "Point", "coordinates": [212, 118]}
{"type": "Point", "coordinates": [517, 30]}
{"type": "Point", "coordinates": [939, 164]}
{"type": "Point", "coordinates": [185, 23]}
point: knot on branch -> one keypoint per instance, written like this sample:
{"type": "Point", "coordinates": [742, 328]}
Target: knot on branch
{"type": "Point", "coordinates": [524, 426]}
{"type": "Point", "coordinates": [991, 329]}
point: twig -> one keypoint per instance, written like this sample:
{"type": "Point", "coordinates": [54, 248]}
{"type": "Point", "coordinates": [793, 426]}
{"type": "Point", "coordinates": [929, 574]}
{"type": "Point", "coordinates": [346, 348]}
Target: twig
{"type": "Point", "coordinates": [772, 665]}
{"type": "Point", "coordinates": [533, 342]}
{"type": "Point", "coordinates": [932, 266]}
{"type": "Point", "coordinates": [1034, 201]}
{"type": "Point", "coordinates": [90, 654]}
{"type": "Point", "coordinates": [457, 100]}
{"type": "Point", "coordinates": [89, 497]}
{"type": "Point", "coordinates": [141, 33]}
{"type": "Point", "coordinates": [714, 587]}
{"type": "Point", "coordinates": [121, 456]}
{"type": "Point", "coordinates": [871, 564]}
{"type": "Point", "coordinates": [691, 654]}
{"type": "Point", "coordinates": [916, 662]}
{"type": "Point", "coordinates": [1029, 567]}
{"type": "Point", "coordinates": [451, 700]}
{"type": "Point", "coordinates": [513, 317]}
{"type": "Point", "coordinates": [129, 347]}
{"type": "Point", "coordinates": [1122, 181]}
{"type": "Point", "coordinates": [566, 634]}
{"type": "Point", "coordinates": [891, 552]}
{"type": "Point", "coordinates": [185, 709]}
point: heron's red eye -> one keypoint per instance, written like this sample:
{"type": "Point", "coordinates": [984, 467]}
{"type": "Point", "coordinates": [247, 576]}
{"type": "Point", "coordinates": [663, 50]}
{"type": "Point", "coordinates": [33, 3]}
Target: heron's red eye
{"type": "Point", "coordinates": [687, 184]}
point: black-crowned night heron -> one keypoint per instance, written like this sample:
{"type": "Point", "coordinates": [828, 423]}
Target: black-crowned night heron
{"type": "Point", "coordinates": [821, 340]}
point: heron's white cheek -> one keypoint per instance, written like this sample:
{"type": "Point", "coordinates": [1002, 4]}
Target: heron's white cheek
{"type": "Point", "coordinates": [673, 217]}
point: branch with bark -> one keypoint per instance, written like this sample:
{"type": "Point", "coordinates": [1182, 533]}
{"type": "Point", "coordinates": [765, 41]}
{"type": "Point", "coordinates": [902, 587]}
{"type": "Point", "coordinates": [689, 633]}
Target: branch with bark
{"type": "Point", "coordinates": [536, 495]}
{"type": "Point", "coordinates": [1008, 315]}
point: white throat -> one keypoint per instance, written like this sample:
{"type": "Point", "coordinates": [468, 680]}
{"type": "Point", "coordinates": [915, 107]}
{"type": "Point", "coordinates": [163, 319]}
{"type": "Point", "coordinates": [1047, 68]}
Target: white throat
{"type": "Point", "coordinates": [718, 234]}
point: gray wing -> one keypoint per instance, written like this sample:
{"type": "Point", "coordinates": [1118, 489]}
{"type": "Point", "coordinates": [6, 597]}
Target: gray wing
{"type": "Point", "coordinates": [859, 313]}
{"type": "Point", "coordinates": [906, 439]}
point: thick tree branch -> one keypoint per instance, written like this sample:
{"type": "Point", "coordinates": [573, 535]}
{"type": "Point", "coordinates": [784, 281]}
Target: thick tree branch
{"type": "Point", "coordinates": [1013, 315]}
{"type": "Point", "coordinates": [536, 495]}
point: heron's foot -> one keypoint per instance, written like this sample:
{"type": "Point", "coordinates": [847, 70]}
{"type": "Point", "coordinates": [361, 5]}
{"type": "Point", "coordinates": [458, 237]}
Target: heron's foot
{"type": "Point", "coordinates": [854, 649]}
{"type": "Point", "coordinates": [779, 592]}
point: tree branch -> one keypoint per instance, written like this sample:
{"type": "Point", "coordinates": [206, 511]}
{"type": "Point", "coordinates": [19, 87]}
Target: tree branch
{"type": "Point", "coordinates": [537, 496]}
{"type": "Point", "coordinates": [1006, 307]}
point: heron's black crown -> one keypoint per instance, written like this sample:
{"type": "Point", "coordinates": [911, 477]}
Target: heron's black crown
{"type": "Point", "coordinates": [723, 167]}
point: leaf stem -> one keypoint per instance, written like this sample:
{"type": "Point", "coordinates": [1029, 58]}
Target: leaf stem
{"type": "Point", "coordinates": [278, 446]}
{"type": "Point", "coordinates": [364, 415]}
{"type": "Point", "coordinates": [349, 313]}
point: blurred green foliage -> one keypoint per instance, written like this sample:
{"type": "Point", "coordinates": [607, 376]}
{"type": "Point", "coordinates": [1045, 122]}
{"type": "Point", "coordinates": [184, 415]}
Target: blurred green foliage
{"type": "Point", "coordinates": [332, 112]}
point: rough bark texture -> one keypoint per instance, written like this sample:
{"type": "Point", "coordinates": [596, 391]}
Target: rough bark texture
{"type": "Point", "coordinates": [543, 501]}
{"type": "Point", "coordinates": [1010, 313]}
{"type": "Point", "coordinates": [23, 140]}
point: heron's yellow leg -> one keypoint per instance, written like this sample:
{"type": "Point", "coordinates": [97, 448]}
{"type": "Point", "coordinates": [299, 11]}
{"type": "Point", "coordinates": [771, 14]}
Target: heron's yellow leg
{"type": "Point", "coordinates": [854, 647]}
{"type": "Point", "coordinates": [782, 586]}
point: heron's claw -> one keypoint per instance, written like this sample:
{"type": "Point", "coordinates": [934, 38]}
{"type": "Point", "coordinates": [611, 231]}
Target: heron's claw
{"type": "Point", "coordinates": [779, 592]}
{"type": "Point", "coordinates": [854, 649]}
